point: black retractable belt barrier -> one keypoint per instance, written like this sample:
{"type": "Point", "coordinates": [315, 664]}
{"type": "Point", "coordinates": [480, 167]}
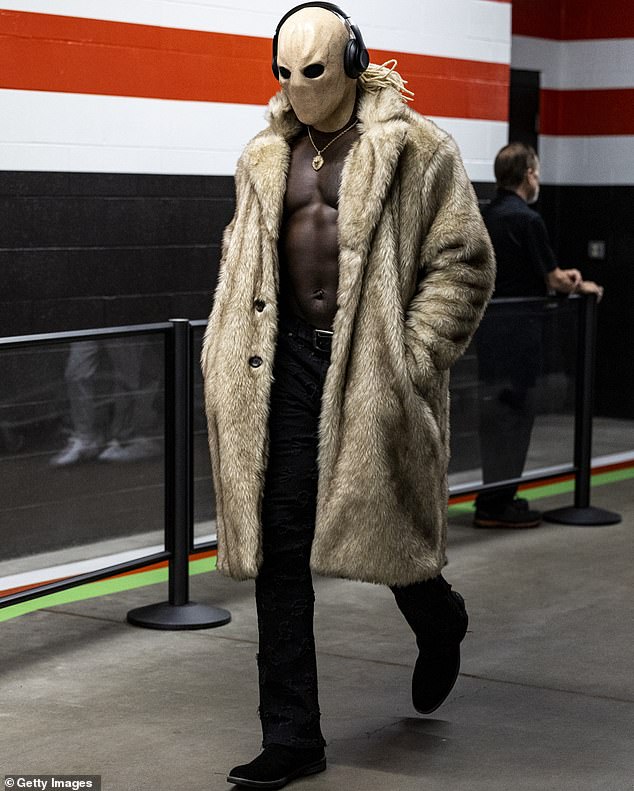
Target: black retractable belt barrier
{"type": "Point", "coordinates": [179, 612]}
{"type": "Point", "coordinates": [582, 513]}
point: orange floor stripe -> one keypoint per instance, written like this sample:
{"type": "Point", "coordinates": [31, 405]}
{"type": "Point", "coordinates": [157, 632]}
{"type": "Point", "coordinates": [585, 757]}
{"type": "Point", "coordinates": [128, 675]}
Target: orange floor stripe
{"type": "Point", "coordinates": [151, 567]}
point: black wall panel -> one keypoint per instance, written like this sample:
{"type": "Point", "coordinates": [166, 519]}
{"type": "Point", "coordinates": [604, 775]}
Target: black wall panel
{"type": "Point", "coordinates": [81, 250]}
{"type": "Point", "coordinates": [575, 216]}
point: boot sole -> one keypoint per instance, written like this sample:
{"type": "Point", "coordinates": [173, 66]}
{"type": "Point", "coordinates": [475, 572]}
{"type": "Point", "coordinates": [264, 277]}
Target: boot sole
{"type": "Point", "coordinates": [500, 523]}
{"type": "Point", "coordinates": [311, 769]}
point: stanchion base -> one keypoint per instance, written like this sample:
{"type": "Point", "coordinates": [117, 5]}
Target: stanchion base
{"type": "Point", "coordinates": [582, 517]}
{"type": "Point", "coordinates": [178, 616]}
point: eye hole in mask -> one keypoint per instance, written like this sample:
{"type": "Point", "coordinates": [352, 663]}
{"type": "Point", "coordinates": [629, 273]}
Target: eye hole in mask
{"type": "Point", "coordinates": [285, 73]}
{"type": "Point", "coordinates": [314, 70]}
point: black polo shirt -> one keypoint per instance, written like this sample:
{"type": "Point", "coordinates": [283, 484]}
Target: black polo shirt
{"type": "Point", "coordinates": [522, 249]}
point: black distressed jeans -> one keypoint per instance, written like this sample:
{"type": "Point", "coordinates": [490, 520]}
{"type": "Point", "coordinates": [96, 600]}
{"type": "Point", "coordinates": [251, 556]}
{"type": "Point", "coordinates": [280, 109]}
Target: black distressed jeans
{"type": "Point", "coordinates": [289, 707]}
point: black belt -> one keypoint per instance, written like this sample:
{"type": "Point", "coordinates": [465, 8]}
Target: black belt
{"type": "Point", "coordinates": [320, 340]}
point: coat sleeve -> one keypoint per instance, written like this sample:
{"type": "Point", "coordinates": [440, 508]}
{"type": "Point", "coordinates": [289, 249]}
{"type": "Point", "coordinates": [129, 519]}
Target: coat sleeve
{"type": "Point", "coordinates": [456, 268]}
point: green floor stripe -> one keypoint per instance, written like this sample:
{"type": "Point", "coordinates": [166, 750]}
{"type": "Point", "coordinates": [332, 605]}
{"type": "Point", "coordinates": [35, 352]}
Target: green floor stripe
{"type": "Point", "coordinates": [144, 578]}
{"type": "Point", "coordinates": [92, 590]}
{"type": "Point", "coordinates": [562, 487]}
{"type": "Point", "coordinates": [614, 476]}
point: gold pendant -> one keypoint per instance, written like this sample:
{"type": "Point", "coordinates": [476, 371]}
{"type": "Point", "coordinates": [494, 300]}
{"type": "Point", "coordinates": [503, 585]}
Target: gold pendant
{"type": "Point", "coordinates": [318, 161]}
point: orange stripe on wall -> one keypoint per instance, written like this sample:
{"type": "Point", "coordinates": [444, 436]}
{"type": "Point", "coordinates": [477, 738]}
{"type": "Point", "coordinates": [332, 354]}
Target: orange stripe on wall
{"type": "Point", "coordinates": [66, 54]}
{"type": "Point", "coordinates": [587, 112]}
{"type": "Point", "coordinates": [71, 55]}
{"type": "Point", "coordinates": [573, 19]}
{"type": "Point", "coordinates": [454, 88]}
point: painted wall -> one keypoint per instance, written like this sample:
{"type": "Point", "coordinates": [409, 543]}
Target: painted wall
{"type": "Point", "coordinates": [122, 121]}
{"type": "Point", "coordinates": [177, 87]}
{"type": "Point", "coordinates": [584, 50]}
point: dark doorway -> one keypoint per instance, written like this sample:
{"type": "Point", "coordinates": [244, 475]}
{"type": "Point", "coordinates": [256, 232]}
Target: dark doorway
{"type": "Point", "coordinates": [524, 107]}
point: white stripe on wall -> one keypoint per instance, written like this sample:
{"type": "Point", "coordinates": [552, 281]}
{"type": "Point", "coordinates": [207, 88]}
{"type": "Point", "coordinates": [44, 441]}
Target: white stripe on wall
{"type": "Point", "coordinates": [587, 160]}
{"type": "Point", "coordinates": [114, 134]}
{"type": "Point", "coordinates": [608, 63]}
{"type": "Point", "coordinates": [468, 29]}
{"type": "Point", "coordinates": [478, 141]}
{"type": "Point", "coordinates": [118, 134]}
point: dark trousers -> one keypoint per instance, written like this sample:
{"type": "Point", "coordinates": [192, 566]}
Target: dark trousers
{"type": "Point", "coordinates": [506, 422]}
{"type": "Point", "coordinates": [289, 707]}
{"type": "Point", "coordinates": [509, 349]}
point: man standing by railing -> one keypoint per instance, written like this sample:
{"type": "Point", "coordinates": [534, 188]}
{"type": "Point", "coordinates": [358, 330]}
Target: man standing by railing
{"type": "Point", "coordinates": [510, 349]}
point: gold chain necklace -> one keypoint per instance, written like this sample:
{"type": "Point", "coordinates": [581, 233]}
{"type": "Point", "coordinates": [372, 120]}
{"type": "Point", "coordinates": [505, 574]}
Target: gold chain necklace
{"type": "Point", "coordinates": [318, 160]}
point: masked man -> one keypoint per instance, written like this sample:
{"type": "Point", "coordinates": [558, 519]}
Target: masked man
{"type": "Point", "coordinates": [353, 274]}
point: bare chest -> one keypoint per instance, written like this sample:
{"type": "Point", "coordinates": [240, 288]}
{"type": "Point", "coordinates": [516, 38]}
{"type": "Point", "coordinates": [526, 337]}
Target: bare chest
{"type": "Point", "coordinates": [308, 186]}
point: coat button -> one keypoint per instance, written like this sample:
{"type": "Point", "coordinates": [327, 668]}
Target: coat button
{"type": "Point", "coordinates": [255, 362]}
{"type": "Point", "coordinates": [260, 305]}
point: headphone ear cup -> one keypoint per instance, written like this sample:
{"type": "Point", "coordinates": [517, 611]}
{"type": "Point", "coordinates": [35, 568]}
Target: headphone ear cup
{"type": "Point", "coordinates": [350, 59]}
{"type": "Point", "coordinates": [355, 57]}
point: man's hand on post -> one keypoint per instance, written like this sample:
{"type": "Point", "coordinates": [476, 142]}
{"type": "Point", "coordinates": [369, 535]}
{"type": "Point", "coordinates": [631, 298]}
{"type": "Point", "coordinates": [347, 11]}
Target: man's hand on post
{"type": "Point", "coordinates": [564, 280]}
{"type": "Point", "coordinates": [590, 287]}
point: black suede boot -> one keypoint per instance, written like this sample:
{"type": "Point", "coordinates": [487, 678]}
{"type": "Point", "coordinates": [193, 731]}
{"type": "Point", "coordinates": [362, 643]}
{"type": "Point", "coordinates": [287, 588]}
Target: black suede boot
{"type": "Point", "coordinates": [438, 663]}
{"type": "Point", "coordinates": [277, 765]}
{"type": "Point", "coordinates": [438, 617]}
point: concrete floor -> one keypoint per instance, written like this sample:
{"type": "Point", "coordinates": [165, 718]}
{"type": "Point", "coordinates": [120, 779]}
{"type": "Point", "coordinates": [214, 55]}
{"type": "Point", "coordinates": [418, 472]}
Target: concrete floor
{"type": "Point", "coordinates": [544, 702]}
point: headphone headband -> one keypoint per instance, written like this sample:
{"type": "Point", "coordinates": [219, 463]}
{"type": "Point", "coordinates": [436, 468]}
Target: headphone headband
{"type": "Point", "coordinates": [328, 6]}
{"type": "Point", "coordinates": [356, 58]}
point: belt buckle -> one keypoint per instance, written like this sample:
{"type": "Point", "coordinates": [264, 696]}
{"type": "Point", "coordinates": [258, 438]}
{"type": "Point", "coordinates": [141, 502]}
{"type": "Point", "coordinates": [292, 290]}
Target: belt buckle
{"type": "Point", "coordinates": [322, 340]}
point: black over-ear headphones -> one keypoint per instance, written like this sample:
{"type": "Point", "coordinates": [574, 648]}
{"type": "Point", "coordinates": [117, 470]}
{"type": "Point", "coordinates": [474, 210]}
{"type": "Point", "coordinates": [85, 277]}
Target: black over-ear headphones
{"type": "Point", "coordinates": [355, 57]}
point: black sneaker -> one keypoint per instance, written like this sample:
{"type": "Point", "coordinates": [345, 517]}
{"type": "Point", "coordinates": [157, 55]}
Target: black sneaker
{"type": "Point", "coordinates": [277, 765]}
{"type": "Point", "coordinates": [516, 514]}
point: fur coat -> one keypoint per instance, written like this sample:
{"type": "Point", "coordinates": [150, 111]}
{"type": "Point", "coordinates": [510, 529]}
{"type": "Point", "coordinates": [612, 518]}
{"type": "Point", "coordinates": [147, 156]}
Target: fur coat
{"type": "Point", "coordinates": [416, 270]}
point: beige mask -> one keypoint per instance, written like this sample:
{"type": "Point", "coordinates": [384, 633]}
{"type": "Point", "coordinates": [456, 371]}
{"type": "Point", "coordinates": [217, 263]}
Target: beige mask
{"type": "Point", "coordinates": [310, 54]}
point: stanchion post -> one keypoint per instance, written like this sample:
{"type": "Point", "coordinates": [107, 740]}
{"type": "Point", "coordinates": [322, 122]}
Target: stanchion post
{"type": "Point", "coordinates": [178, 612]}
{"type": "Point", "coordinates": [179, 465]}
{"type": "Point", "coordinates": [585, 400]}
{"type": "Point", "coordinates": [582, 513]}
